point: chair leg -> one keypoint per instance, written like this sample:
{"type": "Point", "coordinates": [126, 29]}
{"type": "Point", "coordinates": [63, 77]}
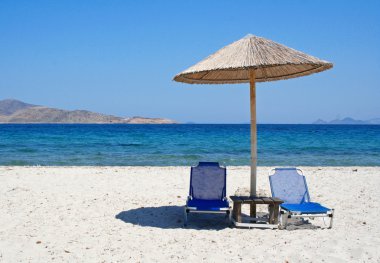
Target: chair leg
{"type": "Point", "coordinates": [229, 216]}
{"type": "Point", "coordinates": [185, 216]}
{"type": "Point", "coordinates": [284, 220]}
{"type": "Point", "coordinates": [331, 218]}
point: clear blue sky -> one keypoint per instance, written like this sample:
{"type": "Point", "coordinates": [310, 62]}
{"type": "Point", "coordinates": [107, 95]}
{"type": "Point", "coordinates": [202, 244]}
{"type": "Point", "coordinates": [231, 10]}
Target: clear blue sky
{"type": "Point", "coordinates": [119, 57]}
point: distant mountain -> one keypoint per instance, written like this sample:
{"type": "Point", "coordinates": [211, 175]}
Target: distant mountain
{"type": "Point", "coordinates": [320, 121]}
{"type": "Point", "coordinates": [8, 107]}
{"type": "Point", "coordinates": [348, 121]}
{"type": "Point", "coordinates": [143, 120]}
{"type": "Point", "coordinates": [14, 111]}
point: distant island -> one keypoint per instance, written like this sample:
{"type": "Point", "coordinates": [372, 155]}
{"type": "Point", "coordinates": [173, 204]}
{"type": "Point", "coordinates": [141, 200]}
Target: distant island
{"type": "Point", "coordinates": [349, 121]}
{"type": "Point", "coordinates": [15, 111]}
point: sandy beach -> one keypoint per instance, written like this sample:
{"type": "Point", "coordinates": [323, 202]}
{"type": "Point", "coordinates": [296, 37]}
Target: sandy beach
{"type": "Point", "coordinates": [134, 214]}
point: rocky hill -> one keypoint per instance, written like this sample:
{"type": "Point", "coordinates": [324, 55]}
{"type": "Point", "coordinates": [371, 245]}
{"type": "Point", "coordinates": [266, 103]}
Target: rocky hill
{"type": "Point", "coordinates": [143, 120]}
{"type": "Point", "coordinates": [8, 107]}
{"type": "Point", "coordinates": [14, 111]}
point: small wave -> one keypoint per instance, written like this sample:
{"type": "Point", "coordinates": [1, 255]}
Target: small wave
{"type": "Point", "coordinates": [27, 150]}
{"type": "Point", "coordinates": [16, 163]}
{"type": "Point", "coordinates": [130, 144]}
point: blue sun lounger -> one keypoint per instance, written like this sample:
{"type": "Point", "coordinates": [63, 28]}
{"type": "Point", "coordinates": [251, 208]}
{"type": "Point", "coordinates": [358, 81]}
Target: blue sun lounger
{"type": "Point", "coordinates": [289, 184]}
{"type": "Point", "coordinates": [207, 192]}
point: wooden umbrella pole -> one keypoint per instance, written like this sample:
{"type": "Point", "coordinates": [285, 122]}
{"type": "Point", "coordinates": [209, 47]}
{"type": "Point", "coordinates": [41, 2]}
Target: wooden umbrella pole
{"type": "Point", "coordinates": [253, 131]}
{"type": "Point", "coordinates": [253, 139]}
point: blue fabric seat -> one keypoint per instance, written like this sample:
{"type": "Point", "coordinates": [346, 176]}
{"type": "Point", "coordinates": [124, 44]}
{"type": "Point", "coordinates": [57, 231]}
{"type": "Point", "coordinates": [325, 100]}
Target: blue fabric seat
{"type": "Point", "coordinates": [306, 208]}
{"type": "Point", "coordinates": [290, 186]}
{"type": "Point", "coordinates": [207, 191]}
{"type": "Point", "coordinates": [208, 205]}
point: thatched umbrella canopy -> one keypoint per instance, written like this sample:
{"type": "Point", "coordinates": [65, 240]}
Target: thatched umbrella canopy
{"type": "Point", "coordinates": [252, 59]}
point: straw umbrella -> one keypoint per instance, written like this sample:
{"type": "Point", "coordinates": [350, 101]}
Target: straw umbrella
{"type": "Point", "coordinates": [249, 60]}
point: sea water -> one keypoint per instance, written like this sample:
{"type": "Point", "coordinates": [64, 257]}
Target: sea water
{"type": "Point", "coordinates": [186, 144]}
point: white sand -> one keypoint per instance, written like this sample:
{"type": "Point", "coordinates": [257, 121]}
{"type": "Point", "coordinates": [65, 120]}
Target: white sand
{"type": "Point", "coordinates": [71, 215]}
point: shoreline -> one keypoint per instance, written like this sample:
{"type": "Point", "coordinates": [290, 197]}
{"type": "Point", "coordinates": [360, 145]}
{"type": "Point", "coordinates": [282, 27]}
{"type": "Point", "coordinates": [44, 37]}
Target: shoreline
{"type": "Point", "coordinates": [181, 166]}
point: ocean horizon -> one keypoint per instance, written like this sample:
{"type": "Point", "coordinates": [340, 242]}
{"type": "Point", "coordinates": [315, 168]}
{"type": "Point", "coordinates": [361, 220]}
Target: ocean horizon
{"type": "Point", "coordinates": [186, 144]}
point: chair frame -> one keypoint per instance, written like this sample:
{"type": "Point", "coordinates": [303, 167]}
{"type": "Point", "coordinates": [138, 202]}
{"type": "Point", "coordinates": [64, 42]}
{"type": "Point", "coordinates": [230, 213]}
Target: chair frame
{"type": "Point", "coordinates": [285, 214]}
{"type": "Point", "coordinates": [224, 210]}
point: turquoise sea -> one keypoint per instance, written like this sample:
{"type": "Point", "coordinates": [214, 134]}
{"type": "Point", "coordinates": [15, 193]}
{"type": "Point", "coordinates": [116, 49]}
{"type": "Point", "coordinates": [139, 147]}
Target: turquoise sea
{"type": "Point", "coordinates": [162, 145]}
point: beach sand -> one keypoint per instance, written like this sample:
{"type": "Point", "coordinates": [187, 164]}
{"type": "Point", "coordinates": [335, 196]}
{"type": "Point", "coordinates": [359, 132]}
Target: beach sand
{"type": "Point", "coordinates": [135, 214]}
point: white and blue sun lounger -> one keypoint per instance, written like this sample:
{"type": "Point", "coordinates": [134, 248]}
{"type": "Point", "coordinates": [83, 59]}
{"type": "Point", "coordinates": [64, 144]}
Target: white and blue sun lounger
{"type": "Point", "coordinates": [207, 192]}
{"type": "Point", "coordinates": [289, 184]}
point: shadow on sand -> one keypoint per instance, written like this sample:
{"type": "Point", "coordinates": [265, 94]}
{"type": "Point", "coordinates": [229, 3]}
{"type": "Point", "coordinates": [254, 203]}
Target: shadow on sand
{"type": "Point", "coordinates": [169, 217]}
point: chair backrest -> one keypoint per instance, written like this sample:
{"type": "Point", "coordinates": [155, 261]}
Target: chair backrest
{"type": "Point", "coordinates": [208, 181]}
{"type": "Point", "coordinates": [290, 186]}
